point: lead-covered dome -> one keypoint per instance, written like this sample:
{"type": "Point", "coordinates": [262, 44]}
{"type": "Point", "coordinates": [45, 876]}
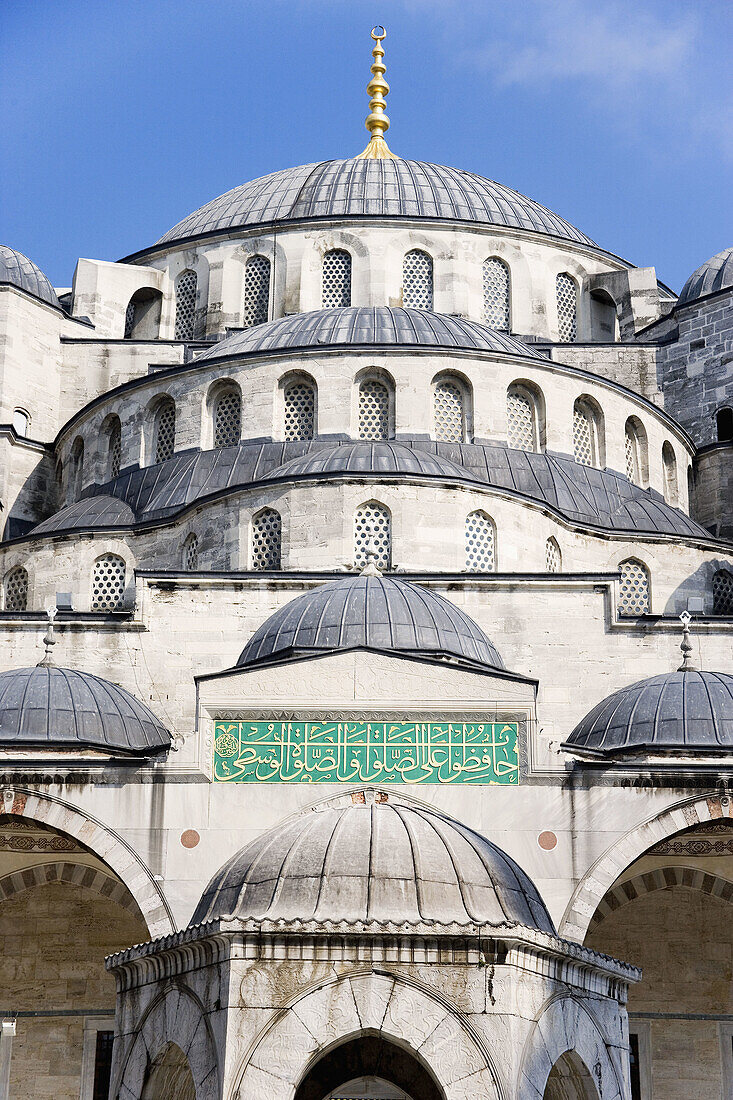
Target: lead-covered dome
{"type": "Point", "coordinates": [714, 275]}
{"type": "Point", "coordinates": [51, 708]}
{"type": "Point", "coordinates": [378, 188]}
{"type": "Point", "coordinates": [371, 612]}
{"type": "Point", "coordinates": [371, 860]}
{"type": "Point", "coordinates": [368, 326]}
{"type": "Point", "coordinates": [17, 270]}
{"type": "Point", "coordinates": [680, 712]}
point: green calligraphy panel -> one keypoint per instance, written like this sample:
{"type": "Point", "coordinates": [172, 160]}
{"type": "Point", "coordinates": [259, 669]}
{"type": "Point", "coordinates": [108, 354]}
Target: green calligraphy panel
{"type": "Point", "coordinates": [365, 752]}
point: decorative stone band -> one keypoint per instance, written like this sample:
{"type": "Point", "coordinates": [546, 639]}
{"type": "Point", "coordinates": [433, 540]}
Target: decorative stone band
{"type": "Point", "coordinates": [357, 942]}
{"type": "Point", "coordinates": [662, 879]}
{"type": "Point", "coordinates": [72, 874]}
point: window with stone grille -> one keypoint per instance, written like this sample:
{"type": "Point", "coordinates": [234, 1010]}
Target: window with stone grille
{"type": "Point", "coordinates": [191, 552]}
{"type": "Point", "coordinates": [228, 419]}
{"type": "Point", "coordinates": [633, 589]}
{"type": "Point", "coordinates": [165, 430]}
{"type": "Point", "coordinates": [256, 291]}
{"type": "Point", "coordinates": [480, 543]}
{"type": "Point", "coordinates": [114, 453]}
{"type": "Point", "coordinates": [336, 290]}
{"type": "Point", "coordinates": [449, 413]}
{"type": "Point", "coordinates": [585, 434]}
{"type": "Point", "coordinates": [130, 318]}
{"type": "Point", "coordinates": [631, 450]}
{"type": "Point", "coordinates": [76, 473]}
{"type": "Point", "coordinates": [566, 292]}
{"type": "Point", "coordinates": [299, 412]}
{"type": "Point", "coordinates": [373, 535]}
{"type": "Point", "coordinates": [723, 592]}
{"type": "Point", "coordinates": [417, 280]}
{"type": "Point", "coordinates": [553, 556]}
{"type": "Point", "coordinates": [669, 464]}
{"type": "Point", "coordinates": [496, 294]}
{"type": "Point", "coordinates": [374, 409]}
{"type": "Point", "coordinates": [521, 419]}
{"type": "Point", "coordinates": [108, 583]}
{"type": "Point", "coordinates": [266, 540]}
{"type": "Point", "coordinates": [15, 589]}
{"type": "Point", "coordinates": [186, 285]}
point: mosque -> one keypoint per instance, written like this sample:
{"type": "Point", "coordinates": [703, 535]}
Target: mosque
{"type": "Point", "coordinates": [376, 476]}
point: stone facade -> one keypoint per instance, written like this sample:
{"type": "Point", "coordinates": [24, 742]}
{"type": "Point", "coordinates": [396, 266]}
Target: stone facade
{"type": "Point", "coordinates": [621, 404]}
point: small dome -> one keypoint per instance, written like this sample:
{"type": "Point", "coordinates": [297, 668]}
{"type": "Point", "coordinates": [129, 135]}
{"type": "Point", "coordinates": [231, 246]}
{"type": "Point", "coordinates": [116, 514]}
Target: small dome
{"type": "Point", "coordinates": [59, 708]}
{"type": "Point", "coordinates": [379, 861]}
{"type": "Point", "coordinates": [685, 712]}
{"type": "Point", "coordinates": [714, 275]}
{"type": "Point", "coordinates": [372, 188]}
{"type": "Point", "coordinates": [364, 612]}
{"type": "Point", "coordinates": [18, 270]}
{"type": "Point", "coordinates": [371, 458]}
{"type": "Point", "coordinates": [367, 326]}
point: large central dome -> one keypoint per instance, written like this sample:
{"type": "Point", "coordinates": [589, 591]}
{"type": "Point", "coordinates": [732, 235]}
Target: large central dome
{"type": "Point", "coordinates": [372, 188]}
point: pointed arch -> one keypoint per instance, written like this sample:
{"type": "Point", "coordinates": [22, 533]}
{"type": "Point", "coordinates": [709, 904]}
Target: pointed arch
{"type": "Point", "coordinates": [373, 534]}
{"type": "Point", "coordinates": [186, 288]}
{"type": "Point", "coordinates": [566, 299]}
{"type": "Point", "coordinates": [452, 409]}
{"type": "Point", "coordinates": [480, 543]}
{"type": "Point", "coordinates": [336, 279]}
{"type": "Point", "coordinates": [266, 541]}
{"type": "Point", "coordinates": [300, 407]}
{"type": "Point", "coordinates": [589, 448]}
{"type": "Point", "coordinates": [636, 450]}
{"type": "Point", "coordinates": [633, 589]}
{"type": "Point", "coordinates": [164, 430]}
{"type": "Point", "coordinates": [497, 294]}
{"type": "Point", "coordinates": [553, 556]}
{"type": "Point", "coordinates": [256, 291]}
{"type": "Point", "coordinates": [109, 582]}
{"type": "Point", "coordinates": [15, 589]}
{"type": "Point", "coordinates": [417, 280]}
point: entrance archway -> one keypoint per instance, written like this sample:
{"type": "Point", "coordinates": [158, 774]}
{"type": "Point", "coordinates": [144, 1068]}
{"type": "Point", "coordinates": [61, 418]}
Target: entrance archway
{"type": "Point", "coordinates": [570, 1079]}
{"type": "Point", "coordinates": [345, 1071]}
{"type": "Point", "coordinates": [169, 1076]}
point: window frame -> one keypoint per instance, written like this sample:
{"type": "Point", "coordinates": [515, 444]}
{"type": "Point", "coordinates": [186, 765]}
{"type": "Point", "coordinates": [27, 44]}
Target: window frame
{"type": "Point", "coordinates": [423, 252]}
{"type": "Point", "coordinates": [286, 383]}
{"type": "Point", "coordinates": [508, 304]}
{"type": "Point", "coordinates": [92, 1025]}
{"type": "Point", "coordinates": [266, 508]}
{"type": "Point", "coordinates": [331, 252]}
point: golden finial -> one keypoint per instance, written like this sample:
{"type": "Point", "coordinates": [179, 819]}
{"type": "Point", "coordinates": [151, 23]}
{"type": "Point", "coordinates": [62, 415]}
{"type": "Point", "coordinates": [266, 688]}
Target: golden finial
{"type": "Point", "coordinates": [377, 122]}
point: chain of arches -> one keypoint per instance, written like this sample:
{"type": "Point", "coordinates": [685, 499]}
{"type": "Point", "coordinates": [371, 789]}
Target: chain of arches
{"type": "Point", "coordinates": [372, 542]}
{"type": "Point", "coordinates": [452, 413]}
{"type": "Point", "coordinates": [418, 283]}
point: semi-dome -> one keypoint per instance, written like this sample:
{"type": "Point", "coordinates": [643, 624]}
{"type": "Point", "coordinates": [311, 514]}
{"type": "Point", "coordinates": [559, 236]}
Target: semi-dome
{"type": "Point", "coordinates": [714, 275]}
{"type": "Point", "coordinates": [17, 270]}
{"type": "Point", "coordinates": [375, 860]}
{"type": "Point", "coordinates": [388, 188]}
{"type": "Point", "coordinates": [100, 510]}
{"type": "Point", "coordinates": [47, 707]}
{"type": "Point", "coordinates": [680, 712]}
{"type": "Point", "coordinates": [367, 326]}
{"type": "Point", "coordinates": [371, 612]}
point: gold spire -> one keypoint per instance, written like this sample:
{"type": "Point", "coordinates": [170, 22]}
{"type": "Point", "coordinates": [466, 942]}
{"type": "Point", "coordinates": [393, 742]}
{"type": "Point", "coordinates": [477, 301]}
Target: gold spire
{"type": "Point", "coordinates": [377, 122]}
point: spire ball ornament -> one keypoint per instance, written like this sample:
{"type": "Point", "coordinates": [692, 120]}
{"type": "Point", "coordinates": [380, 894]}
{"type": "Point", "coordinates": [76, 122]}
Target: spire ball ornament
{"type": "Point", "coordinates": [377, 122]}
{"type": "Point", "coordinates": [686, 644]}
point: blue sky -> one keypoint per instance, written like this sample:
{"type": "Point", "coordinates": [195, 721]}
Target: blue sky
{"type": "Point", "coordinates": [121, 116]}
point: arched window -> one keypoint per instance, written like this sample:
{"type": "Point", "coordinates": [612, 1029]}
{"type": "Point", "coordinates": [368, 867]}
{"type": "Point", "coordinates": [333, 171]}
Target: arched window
{"type": "Point", "coordinates": [108, 583]}
{"type": "Point", "coordinates": [496, 294]}
{"type": "Point", "coordinates": [191, 553]}
{"type": "Point", "coordinates": [228, 419]}
{"type": "Point", "coordinates": [114, 447]}
{"type": "Point", "coordinates": [374, 409]}
{"type": "Point", "coordinates": [21, 422]}
{"type": "Point", "coordinates": [299, 411]}
{"type": "Point", "coordinates": [669, 463]}
{"type": "Point", "coordinates": [256, 291]}
{"type": "Point", "coordinates": [587, 429]}
{"type": "Point", "coordinates": [142, 316]}
{"type": "Point", "coordinates": [449, 411]}
{"type": "Point", "coordinates": [76, 471]}
{"type": "Point", "coordinates": [553, 556]}
{"type": "Point", "coordinates": [266, 540]}
{"type": "Point", "coordinates": [373, 535]}
{"type": "Point", "coordinates": [635, 449]}
{"type": "Point", "coordinates": [165, 430]}
{"type": "Point", "coordinates": [633, 589]}
{"type": "Point", "coordinates": [521, 419]}
{"type": "Point", "coordinates": [480, 542]}
{"type": "Point", "coordinates": [15, 589]}
{"type": "Point", "coordinates": [566, 293]}
{"type": "Point", "coordinates": [724, 424]}
{"type": "Point", "coordinates": [417, 280]}
{"type": "Point", "coordinates": [723, 592]}
{"type": "Point", "coordinates": [336, 278]}
{"type": "Point", "coordinates": [186, 285]}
